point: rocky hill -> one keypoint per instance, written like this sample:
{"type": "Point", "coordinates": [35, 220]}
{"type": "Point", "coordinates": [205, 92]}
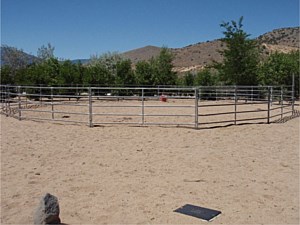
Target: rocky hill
{"type": "Point", "coordinates": [285, 37]}
{"type": "Point", "coordinates": [189, 58]}
{"type": "Point", "coordinates": [196, 56]}
{"type": "Point", "coordinates": [140, 54]}
{"type": "Point", "coordinates": [16, 57]}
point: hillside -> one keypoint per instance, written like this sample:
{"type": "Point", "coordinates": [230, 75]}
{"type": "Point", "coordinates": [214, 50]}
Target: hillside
{"type": "Point", "coordinates": [14, 56]}
{"type": "Point", "coordinates": [284, 37]}
{"type": "Point", "coordinates": [196, 56]}
{"type": "Point", "coordinates": [140, 54]}
{"type": "Point", "coordinates": [190, 58]}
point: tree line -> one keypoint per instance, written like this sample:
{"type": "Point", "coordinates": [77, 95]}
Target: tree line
{"type": "Point", "coordinates": [109, 69]}
{"type": "Point", "coordinates": [242, 65]}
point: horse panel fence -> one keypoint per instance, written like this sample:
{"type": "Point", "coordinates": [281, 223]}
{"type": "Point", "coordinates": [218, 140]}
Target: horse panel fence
{"type": "Point", "coordinates": [198, 107]}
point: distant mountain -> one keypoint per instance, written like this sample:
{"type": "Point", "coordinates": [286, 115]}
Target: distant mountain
{"type": "Point", "coordinates": [288, 37]}
{"type": "Point", "coordinates": [192, 57]}
{"type": "Point", "coordinates": [11, 55]}
{"type": "Point", "coordinates": [145, 53]}
{"type": "Point", "coordinates": [83, 61]}
{"type": "Point", "coordinates": [281, 40]}
{"type": "Point", "coordinates": [196, 56]}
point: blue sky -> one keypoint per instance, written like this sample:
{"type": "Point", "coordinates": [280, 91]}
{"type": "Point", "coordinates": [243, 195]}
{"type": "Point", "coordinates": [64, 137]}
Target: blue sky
{"type": "Point", "coordinates": [79, 28]}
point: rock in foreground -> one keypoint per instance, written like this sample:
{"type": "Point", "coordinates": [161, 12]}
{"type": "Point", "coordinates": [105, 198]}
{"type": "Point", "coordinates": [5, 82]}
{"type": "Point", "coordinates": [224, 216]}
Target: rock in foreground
{"type": "Point", "coordinates": [47, 211]}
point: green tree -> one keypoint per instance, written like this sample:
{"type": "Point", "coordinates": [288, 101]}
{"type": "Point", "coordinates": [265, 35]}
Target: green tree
{"type": "Point", "coordinates": [189, 79]}
{"type": "Point", "coordinates": [97, 75]}
{"type": "Point", "coordinates": [241, 56]}
{"type": "Point", "coordinates": [279, 68]}
{"type": "Point", "coordinates": [163, 73]}
{"type": "Point", "coordinates": [81, 72]}
{"type": "Point", "coordinates": [143, 73]}
{"type": "Point", "coordinates": [68, 73]}
{"type": "Point", "coordinates": [205, 77]}
{"type": "Point", "coordinates": [108, 60]}
{"type": "Point", "coordinates": [125, 75]}
{"type": "Point", "coordinates": [45, 73]}
{"type": "Point", "coordinates": [46, 52]}
{"type": "Point", "coordinates": [6, 75]}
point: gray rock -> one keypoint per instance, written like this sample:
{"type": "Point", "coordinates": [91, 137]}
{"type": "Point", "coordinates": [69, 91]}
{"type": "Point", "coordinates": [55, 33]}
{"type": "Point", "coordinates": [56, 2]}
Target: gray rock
{"type": "Point", "coordinates": [47, 211]}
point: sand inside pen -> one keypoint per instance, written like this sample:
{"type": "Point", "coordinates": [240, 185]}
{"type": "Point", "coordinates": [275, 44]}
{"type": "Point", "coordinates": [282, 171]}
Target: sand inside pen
{"type": "Point", "coordinates": [126, 174]}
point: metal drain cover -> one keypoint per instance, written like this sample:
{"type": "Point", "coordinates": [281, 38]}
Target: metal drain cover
{"type": "Point", "coordinates": [199, 212]}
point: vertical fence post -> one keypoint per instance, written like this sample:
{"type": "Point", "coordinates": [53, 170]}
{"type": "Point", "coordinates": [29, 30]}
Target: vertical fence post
{"type": "Point", "coordinates": [196, 107]}
{"type": "Point", "coordinates": [235, 103]}
{"type": "Point", "coordinates": [269, 104]}
{"type": "Point", "coordinates": [6, 100]}
{"type": "Point", "coordinates": [90, 108]}
{"type": "Point", "coordinates": [26, 99]}
{"type": "Point", "coordinates": [19, 101]}
{"type": "Point", "coordinates": [293, 94]}
{"type": "Point", "coordinates": [158, 91]}
{"type": "Point", "coordinates": [41, 100]}
{"type": "Point", "coordinates": [199, 93]}
{"type": "Point", "coordinates": [271, 98]}
{"type": "Point", "coordinates": [77, 93]}
{"type": "Point", "coordinates": [281, 101]}
{"type": "Point", "coordinates": [143, 107]}
{"type": "Point", "coordinates": [52, 106]}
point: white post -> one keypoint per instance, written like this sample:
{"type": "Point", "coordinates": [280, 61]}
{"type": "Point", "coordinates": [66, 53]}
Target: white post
{"type": "Point", "coordinates": [235, 103]}
{"type": "Point", "coordinates": [6, 100]}
{"type": "Point", "coordinates": [52, 106]}
{"type": "Point", "coordinates": [293, 94]}
{"type": "Point", "coordinates": [281, 100]}
{"type": "Point", "coordinates": [269, 104]}
{"type": "Point", "coordinates": [143, 107]}
{"type": "Point", "coordinates": [90, 108]}
{"type": "Point", "coordinates": [196, 108]}
{"type": "Point", "coordinates": [19, 100]}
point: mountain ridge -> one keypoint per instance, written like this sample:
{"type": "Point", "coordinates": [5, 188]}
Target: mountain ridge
{"type": "Point", "coordinates": [196, 56]}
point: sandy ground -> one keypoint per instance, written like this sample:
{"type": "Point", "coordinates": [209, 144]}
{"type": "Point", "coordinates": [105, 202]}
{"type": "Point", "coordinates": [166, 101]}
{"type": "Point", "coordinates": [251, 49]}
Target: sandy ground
{"type": "Point", "coordinates": [140, 175]}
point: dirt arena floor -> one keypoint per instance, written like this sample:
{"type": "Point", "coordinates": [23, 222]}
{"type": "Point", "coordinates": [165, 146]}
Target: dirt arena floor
{"type": "Point", "coordinates": [140, 175]}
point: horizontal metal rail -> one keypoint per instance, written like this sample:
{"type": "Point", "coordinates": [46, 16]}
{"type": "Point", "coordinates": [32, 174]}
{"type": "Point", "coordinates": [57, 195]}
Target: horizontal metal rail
{"type": "Point", "coordinates": [117, 106]}
{"type": "Point", "coordinates": [164, 123]}
{"type": "Point", "coordinates": [231, 104]}
{"type": "Point", "coordinates": [38, 118]}
{"type": "Point", "coordinates": [232, 121]}
{"type": "Point", "coordinates": [112, 123]}
{"type": "Point", "coordinates": [146, 115]}
{"type": "Point", "coordinates": [116, 114]}
{"type": "Point", "coordinates": [170, 115]}
{"type": "Point", "coordinates": [64, 104]}
{"type": "Point", "coordinates": [233, 112]}
{"type": "Point", "coordinates": [169, 106]}
{"type": "Point", "coordinates": [48, 111]}
{"type": "Point", "coordinates": [281, 114]}
{"type": "Point", "coordinates": [283, 107]}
